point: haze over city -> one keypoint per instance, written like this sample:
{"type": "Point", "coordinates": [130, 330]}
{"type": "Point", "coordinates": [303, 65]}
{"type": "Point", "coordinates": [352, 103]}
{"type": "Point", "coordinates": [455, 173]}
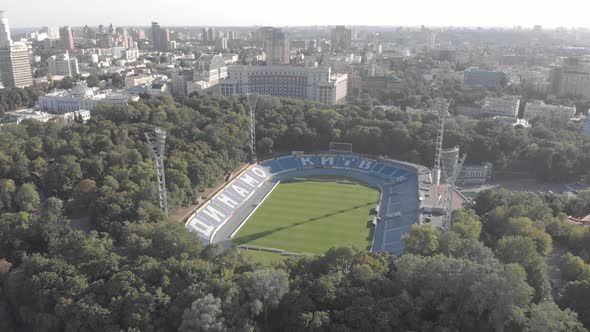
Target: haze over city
{"type": "Point", "coordinates": [501, 13]}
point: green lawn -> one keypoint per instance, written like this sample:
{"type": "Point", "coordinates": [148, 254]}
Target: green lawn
{"type": "Point", "coordinates": [264, 257]}
{"type": "Point", "coordinates": [311, 217]}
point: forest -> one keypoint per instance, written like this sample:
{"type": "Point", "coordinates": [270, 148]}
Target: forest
{"type": "Point", "coordinates": [137, 271]}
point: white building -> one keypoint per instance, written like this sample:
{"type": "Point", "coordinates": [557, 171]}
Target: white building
{"type": "Point", "coordinates": [317, 84]}
{"type": "Point", "coordinates": [81, 97]}
{"type": "Point", "coordinates": [538, 110]}
{"type": "Point", "coordinates": [135, 80]}
{"type": "Point", "coordinates": [67, 118]}
{"type": "Point", "coordinates": [62, 65]}
{"type": "Point", "coordinates": [505, 106]}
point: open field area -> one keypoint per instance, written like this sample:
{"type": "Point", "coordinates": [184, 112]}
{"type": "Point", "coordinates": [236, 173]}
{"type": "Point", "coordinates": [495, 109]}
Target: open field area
{"type": "Point", "coordinates": [311, 217]}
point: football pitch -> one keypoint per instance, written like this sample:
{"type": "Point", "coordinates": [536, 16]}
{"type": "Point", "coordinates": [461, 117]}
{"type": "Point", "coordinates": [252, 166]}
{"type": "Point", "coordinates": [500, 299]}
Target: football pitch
{"type": "Point", "coordinates": [311, 217]}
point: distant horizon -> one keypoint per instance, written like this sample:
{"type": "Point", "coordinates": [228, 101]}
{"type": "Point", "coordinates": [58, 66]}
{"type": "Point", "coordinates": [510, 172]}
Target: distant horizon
{"type": "Point", "coordinates": [506, 14]}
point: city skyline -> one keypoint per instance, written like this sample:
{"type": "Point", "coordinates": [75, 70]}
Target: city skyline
{"type": "Point", "coordinates": [503, 13]}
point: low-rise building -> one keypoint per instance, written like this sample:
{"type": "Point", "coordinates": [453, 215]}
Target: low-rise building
{"type": "Point", "coordinates": [491, 79]}
{"type": "Point", "coordinates": [135, 80]}
{"type": "Point", "coordinates": [538, 110]}
{"type": "Point", "coordinates": [81, 97]}
{"type": "Point", "coordinates": [475, 174]}
{"type": "Point", "coordinates": [66, 118]}
{"type": "Point", "coordinates": [504, 106]}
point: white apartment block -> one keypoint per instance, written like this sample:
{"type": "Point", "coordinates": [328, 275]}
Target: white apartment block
{"type": "Point", "coordinates": [317, 83]}
{"type": "Point", "coordinates": [505, 106]}
{"type": "Point", "coordinates": [81, 97]}
{"type": "Point", "coordinates": [62, 65]}
{"type": "Point", "coordinates": [548, 113]}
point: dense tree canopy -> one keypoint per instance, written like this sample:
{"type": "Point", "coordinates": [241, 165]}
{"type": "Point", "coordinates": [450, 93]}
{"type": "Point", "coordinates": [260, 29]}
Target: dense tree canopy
{"type": "Point", "coordinates": [136, 271]}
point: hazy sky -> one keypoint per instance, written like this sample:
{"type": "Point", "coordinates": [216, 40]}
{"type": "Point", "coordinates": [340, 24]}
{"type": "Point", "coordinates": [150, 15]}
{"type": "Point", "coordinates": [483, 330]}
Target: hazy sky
{"type": "Point", "coordinates": [549, 13]}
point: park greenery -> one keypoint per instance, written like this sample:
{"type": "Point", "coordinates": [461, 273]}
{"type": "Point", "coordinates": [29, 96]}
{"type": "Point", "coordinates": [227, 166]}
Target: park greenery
{"type": "Point", "coordinates": [137, 271]}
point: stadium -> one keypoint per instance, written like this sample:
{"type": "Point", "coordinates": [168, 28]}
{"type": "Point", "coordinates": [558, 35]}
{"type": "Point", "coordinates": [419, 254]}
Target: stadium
{"type": "Point", "coordinates": [307, 203]}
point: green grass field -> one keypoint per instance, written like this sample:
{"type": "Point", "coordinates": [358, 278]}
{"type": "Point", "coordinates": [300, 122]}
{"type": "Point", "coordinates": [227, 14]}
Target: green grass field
{"type": "Point", "coordinates": [311, 217]}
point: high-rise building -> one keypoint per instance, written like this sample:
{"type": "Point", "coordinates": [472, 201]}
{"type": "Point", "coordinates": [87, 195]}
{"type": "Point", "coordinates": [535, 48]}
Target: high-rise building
{"type": "Point", "coordinates": [67, 39]}
{"type": "Point", "coordinates": [4, 31]}
{"type": "Point", "coordinates": [15, 65]}
{"type": "Point", "coordinates": [211, 35]}
{"type": "Point", "coordinates": [341, 39]}
{"type": "Point", "coordinates": [276, 46]}
{"type": "Point", "coordinates": [160, 37]}
{"type": "Point", "coordinates": [221, 44]}
{"type": "Point", "coordinates": [156, 35]}
{"type": "Point", "coordinates": [204, 35]}
{"type": "Point", "coordinates": [88, 33]}
{"type": "Point", "coordinates": [63, 65]}
{"type": "Point", "coordinates": [52, 32]}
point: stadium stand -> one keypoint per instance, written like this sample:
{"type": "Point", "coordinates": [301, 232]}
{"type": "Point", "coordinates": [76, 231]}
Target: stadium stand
{"type": "Point", "coordinates": [399, 205]}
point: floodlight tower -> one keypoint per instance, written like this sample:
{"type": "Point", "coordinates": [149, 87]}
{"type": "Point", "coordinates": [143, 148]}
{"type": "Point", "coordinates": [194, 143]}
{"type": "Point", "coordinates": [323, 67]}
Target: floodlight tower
{"type": "Point", "coordinates": [252, 101]}
{"type": "Point", "coordinates": [451, 187]}
{"type": "Point", "coordinates": [157, 142]}
{"type": "Point", "coordinates": [441, 106]}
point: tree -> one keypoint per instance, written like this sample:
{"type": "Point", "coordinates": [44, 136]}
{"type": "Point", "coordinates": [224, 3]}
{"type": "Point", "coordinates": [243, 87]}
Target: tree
{"type": "Point", "coordinates": [92, 81]}
{"type": "Point", "coordinates": [574, 268]}
{"type": "Point", "coordinates": [575, 297]}
{"type": "Point", "coordinates": [522, 250]}
{"type": "Point", "coordinates": [205, 314]}
{"type": "Point", "coordinates": [466, 223]}
{"type": "Point", "coordinates": [7, 193]}
{"type": "Point", "coordinates": [27, 198]}
{"type": "Point", "coordinates": [63, 176]}
{"type": "Point", "coordinates": [548, 317]}
{"type": "Point", "coordinates": [421, 240]}
{"type": "Point", "coordinates": [264, 289]}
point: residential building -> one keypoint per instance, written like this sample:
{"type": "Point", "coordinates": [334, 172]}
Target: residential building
{"type": "Point", "coordinates": [67, 39]}
{"type": "Point", "coordinates": [62, 65]}
{"type": "Point", "coordinates": [490, 79]}
{"type": "Point", "coordinates": [538, 110]}
{"type": "Point", "coordinates": [504, 106]}
{"type": "Point", "coordinates": [317, 84]}
{"type": "Point", "coordinates": [341, 39]}
{"type": "Point", "coordinates": [276, 46]}
{"type": "Point", "coordinates": [81, 97]}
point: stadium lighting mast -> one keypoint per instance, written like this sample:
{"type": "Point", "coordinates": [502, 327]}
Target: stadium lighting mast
{"type": "Point", "coordinates": [252, 101]}
{"type": "Point", "coordinates": [441, 106]}
{"type": "Point", "coordinates": [451, 187]}
{"type": "Point", "coordinates": [157, 142]}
